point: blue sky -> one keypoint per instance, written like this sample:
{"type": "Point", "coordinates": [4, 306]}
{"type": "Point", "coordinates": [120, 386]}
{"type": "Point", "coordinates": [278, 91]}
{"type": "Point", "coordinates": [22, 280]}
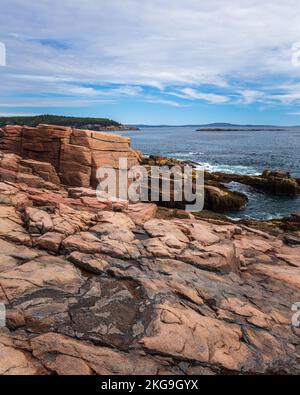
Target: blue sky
{"type": "Point", "coordinates": [158, 61]}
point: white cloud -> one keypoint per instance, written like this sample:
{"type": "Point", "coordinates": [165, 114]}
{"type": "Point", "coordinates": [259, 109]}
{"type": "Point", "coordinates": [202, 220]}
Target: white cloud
{"type": "Point", "coordinates": [287, 98]}
{"type": "Point", "coordinates": [2, 54]}
{"type": "Point", "coordinates": [171, 103]}
{"type": "Point", "coordinates": [17, 114]}
{"type": "Point", "coordinates": [249, 96]}
{"type": "Point", "coordinates": [49, 102]}
{"type": "Point", "coordinates": [162, 44]}
{"type": "Point", "coordinates": [189, 93]}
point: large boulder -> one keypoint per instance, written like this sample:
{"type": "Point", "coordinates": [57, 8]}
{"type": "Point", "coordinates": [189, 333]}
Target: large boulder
{"type": "Point", "coordinates": [220, 199]}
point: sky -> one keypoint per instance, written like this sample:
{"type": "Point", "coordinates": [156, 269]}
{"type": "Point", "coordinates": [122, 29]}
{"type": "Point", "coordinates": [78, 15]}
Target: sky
{"type": "Point", "coordinates": [153, 62]}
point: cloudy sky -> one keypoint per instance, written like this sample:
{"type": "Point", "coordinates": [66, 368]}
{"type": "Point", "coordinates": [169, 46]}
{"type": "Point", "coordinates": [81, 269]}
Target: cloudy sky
{"type": "Point", "coordinates": [153, 61]}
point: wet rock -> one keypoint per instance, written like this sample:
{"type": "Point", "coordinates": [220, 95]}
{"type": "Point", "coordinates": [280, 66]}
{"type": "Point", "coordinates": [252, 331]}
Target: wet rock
{"type": "Point", "coordinates": [276, 183]}
{"type": "Point", "coordinates": [220, 199]}
{"type": "Point", "coordinates": [292, 240]}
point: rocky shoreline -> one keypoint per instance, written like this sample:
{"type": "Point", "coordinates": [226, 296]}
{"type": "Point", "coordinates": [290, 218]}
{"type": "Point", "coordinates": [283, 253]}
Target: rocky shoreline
{"type": "Point", "coordinates": [278, 183]}
{"type": "Point", "coordinates": [112, 287]}
{"type": "Point", "coordinates": [219, 198]}
{"type": "Point", "coordinates": [100, 128]}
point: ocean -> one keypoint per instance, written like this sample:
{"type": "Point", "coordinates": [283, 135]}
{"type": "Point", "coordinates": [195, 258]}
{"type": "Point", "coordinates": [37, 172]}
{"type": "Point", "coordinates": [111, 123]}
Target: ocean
{"type": "Point", "coordinates": [241, 152]}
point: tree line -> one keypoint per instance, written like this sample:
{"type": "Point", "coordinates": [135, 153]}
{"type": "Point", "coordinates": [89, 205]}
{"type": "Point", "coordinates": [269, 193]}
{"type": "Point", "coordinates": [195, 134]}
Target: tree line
{"type": "Point", "coordinates": [60, 120]}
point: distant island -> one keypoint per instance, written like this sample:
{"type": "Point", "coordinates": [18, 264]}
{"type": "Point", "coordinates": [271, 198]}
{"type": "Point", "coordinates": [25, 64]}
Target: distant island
{"type": "Point", "coordinates": [239, 129]}
{"type": "Point", "coordinates": [230, 127]}
{"type": "Point", "coordinates": [76, 122]}
{"type": "Point", "coordinates": [221, 126]}
{"type": "Point", "coordinates": [235, 126]}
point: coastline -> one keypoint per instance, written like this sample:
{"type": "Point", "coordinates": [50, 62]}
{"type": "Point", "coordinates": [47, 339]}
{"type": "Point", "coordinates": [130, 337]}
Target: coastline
{"type": "Point", "coordinates": [235, 153]}
{"type": "Point", "coordinates": [270, 183]}
{"type": "Point", "coordinates": [113, 287]}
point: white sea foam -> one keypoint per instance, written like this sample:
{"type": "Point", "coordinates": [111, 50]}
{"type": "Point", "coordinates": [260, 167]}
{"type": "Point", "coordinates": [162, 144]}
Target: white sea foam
{"type": "Point", "coordinates": [184, 154]}
{"type": "Point", "coordinates": [244, 170]}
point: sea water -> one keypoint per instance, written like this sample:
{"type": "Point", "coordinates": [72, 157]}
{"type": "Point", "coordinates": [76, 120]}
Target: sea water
{"type": "Point", "coordinates": [241, 152]}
